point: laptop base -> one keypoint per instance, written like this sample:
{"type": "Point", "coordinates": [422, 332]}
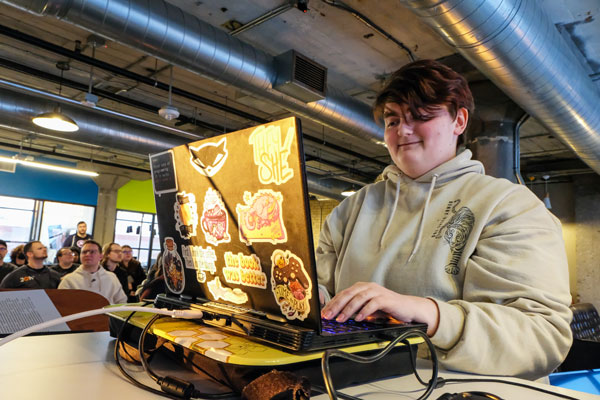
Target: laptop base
{"type": "Point", "coordinates": [238, 360]}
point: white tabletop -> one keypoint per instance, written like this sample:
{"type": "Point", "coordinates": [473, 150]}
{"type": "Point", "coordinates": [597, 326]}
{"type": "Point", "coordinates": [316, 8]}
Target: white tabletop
{"type": "Point", "coordinates": [81, 366]}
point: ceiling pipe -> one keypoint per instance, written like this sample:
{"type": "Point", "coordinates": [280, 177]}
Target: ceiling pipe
{"type": "Point", "coordinates": [106, 128]}
{"type": "Point", "coordinates": [516, 45]}
{"type": "Point", "coordinates": [169, 33]}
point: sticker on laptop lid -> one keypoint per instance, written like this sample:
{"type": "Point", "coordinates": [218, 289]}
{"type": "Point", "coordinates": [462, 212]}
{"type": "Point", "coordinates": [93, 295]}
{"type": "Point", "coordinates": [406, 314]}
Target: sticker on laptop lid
{"type": "Point", "coordinates": [261, 219]}
{"type": "Point", "coordinates": [172, 267]}
{"type": "Point", "coordinates": [244, 270]}
{"type": "Point", "coordinates": [208, 158]}
{"type": "Point", "coordinates": [201, 259]}
{"type": "Point", "coordinates": [237, 296]}
{"type": "Point", "coordinates": [186, 214]}
{"type": "Point", "coordinates": [291, 285]}
{"type": "Point", "coordinates": [215, 222]}
{"type": "Point", "coordinates": [271, 153]}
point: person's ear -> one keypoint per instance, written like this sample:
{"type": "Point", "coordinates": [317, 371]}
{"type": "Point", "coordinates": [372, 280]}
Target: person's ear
{"type": "Point", "coordinates": [461, 120]}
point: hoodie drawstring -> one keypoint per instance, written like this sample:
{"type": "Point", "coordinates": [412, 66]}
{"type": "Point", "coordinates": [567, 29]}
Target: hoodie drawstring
{"type": "Point", "coordinates": [423, 216]}
{"type": "Point", "coordinates": [389, 222]}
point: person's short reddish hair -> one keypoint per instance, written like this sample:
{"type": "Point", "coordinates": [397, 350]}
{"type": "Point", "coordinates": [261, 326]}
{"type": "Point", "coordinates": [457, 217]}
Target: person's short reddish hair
{"type": "Point", "coordinates": [425, 85]}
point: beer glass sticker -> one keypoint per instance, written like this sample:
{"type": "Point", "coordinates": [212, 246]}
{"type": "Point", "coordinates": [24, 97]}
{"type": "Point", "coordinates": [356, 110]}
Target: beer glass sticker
{"type": "Point", "coordinates": [173, 267]}
{"type": "Point", "coordinates": [164, 177]}
{"type": "Point", "coordinates": [271, 153]}
{"type": "Point", "coordinates": [215, 221]}
{"type": "Point", "coordinates": [261, 218]}
{"type": "Point", "coordinates": [186, 214]}
{"type": "Point", "coordinates": [208, 158]}
{"type": "Point", "coordinates": [201, 259]}
{"type": "Point", "coordinates": [219, 291]}
{"type": "Point", "coordinates": [290, 284]}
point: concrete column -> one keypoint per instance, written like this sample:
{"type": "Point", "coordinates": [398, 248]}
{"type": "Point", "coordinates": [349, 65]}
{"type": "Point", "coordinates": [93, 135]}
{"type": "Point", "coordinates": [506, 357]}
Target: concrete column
{"type": "Point", "coordinates": [587, 217]}
{"type": "Point", "coordinates": [109, 181]}
{"type": "Point", "coordinates": [491, 131]}
{"type": "Point", "coordinates": [106, 210]}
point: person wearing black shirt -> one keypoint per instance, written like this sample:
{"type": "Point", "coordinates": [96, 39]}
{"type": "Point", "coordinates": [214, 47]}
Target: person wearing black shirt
{"type": "Point", "coordinates": [5, 267]}
{"type": "Point", "coordinates": [66, 264]}
{"type": "Point", "coordinates": [34, 275]}
{"type": "Point", "coordinates": [135, 272]}
{"type": "Point", "coordinates": [111, 261]}
{"type": "Point", "coordinates": [78, 238]}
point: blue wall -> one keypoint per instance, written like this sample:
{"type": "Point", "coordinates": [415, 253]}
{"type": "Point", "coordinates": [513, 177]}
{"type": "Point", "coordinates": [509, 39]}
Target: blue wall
{"type": "Point", "coordinates": [48, 185]}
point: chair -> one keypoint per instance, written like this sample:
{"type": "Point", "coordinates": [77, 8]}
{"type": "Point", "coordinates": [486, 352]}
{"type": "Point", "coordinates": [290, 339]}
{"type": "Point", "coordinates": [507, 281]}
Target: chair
{"type": "Point", "coordinates": [585, 351]}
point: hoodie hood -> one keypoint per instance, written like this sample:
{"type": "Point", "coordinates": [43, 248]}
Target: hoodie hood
{"type": "Point", "coordinates": [450, 170]}
{"type": "Point", "coordinates": [446, 172]}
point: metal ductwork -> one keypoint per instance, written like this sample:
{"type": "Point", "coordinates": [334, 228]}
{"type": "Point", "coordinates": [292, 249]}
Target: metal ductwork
{"type": "Point", "coordinates": [101, 127]}
{"type": "Point", "coordinates": [515, 44]}
{"type": "Point", "coordinates": [169, 33]}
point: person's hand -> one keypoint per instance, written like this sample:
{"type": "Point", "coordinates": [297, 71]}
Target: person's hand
{"type": "Point", "coordinates": [321, 297]}
{"type": "Point", "coordinates": [367, 298]}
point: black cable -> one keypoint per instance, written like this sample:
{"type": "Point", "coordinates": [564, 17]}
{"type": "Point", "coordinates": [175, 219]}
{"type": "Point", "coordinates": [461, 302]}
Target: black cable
{"type": "Point", "coordinates": [412, 363]}
{"type": "Point", "coordinates": [169, 384]}
{"type": "Point", "coordinates": [125, 373]}
{"type": "Point", "coordinates": [441, 382]}
{"type": "Point", "coordinates": [369, 359]}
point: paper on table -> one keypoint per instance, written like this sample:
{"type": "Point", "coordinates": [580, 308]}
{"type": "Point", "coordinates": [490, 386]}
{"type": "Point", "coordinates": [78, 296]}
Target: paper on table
{"type": "Point", "coordinates": [20, 309]}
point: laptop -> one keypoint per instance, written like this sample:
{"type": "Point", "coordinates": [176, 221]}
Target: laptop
{"type": "Point", "coordinates": [235, 228]}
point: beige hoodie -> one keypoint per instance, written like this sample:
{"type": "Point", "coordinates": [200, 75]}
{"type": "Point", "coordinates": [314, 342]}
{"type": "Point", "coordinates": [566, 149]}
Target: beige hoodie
{"type": "Point", "coordinates": [486, 250]}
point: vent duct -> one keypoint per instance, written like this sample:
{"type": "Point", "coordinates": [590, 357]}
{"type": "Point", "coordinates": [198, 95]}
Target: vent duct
{"type": "Point", "coordinates": [101, 127]}
{"type": "Point", "coordinates": [300, 77]}
{"type": "Point", "coordinates": [164, 31]}
{"type": "Point", "coordinates": [516, 45]}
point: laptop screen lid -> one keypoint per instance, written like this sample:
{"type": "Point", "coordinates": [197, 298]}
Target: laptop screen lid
{"type": "Point", "coordinates": [234, 222]}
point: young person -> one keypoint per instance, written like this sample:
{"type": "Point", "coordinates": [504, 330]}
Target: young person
{"type": "Point", "coordinates": [33, 275]}
{"type": "Point", "coordinates": [91, 276]}
{"type": "Point", "coordinates": [479, 259]}
{"type": "Point", "coordinates": [79, 237]}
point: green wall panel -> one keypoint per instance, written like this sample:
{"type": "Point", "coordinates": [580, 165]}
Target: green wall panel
{"type": "Point", "coordinates": [136, 196]}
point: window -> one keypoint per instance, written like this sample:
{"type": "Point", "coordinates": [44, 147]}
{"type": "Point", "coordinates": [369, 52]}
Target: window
{"type": "Point", "coordinates": [23, 220]}
{"type": "Point", "coordinates": [59, 220]}
{"type": "Point", "coordinates": [16, 221]}
{"type": "Point", "coordinates": [140, 231]}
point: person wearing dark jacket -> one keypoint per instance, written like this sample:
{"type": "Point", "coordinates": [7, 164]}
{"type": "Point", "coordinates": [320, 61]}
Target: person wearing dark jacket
{"type": "Point", "coordinates": [34, 275]}
{"type": "Point", "coordinates": [111, 261]}
{"type": "Point", "coordinates": [5, 267]}
{"type": "Point", "coordinates": [135, 272]}
{"type": "Point", "coordinates": [65, 264]}
{"type": "Point", "coordinates": [78, 238]}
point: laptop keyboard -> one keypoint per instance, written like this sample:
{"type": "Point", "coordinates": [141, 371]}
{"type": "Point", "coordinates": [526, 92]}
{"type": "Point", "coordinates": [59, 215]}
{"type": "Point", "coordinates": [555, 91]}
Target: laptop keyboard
{"type": "Point", "coordinates": [334, 327]}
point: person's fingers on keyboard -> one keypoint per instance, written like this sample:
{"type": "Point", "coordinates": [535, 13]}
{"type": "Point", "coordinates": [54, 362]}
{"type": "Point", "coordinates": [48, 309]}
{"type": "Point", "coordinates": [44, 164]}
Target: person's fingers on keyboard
{"type": "Point", "coordinates": [339, 301]}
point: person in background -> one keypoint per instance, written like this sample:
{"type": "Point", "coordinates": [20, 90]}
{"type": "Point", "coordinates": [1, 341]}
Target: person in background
{"type": "Point", "coordinates": [5, 267]}
{"type": "Point", "coordinates": [76, 250]}
{"type": "Point", "coordinates": [79, 237]}
{"type": "Point", "coordinates": [17, 256]}
{"type": "Point", "coordinates": [135, 272]}
{"type": "Point", "coordinates": [111, 261]}
{"type": "Point", "coordinates": [90, 276]}
{"type": "Point", "coordinates": [34, 275]}
{"type": "Point", "coordinates": [154, 284]}
{"type": "Point", "coordinates": [65, 264]}
{"type": "Point", "coordinates": [479, 259]}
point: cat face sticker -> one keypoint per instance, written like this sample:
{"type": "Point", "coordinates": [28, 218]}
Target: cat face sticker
{"type": "Point", "coordinates": [290, 284]}
{"type": "Point", "coordinates": [261, 219]}
{"type": "Point", "coordinates": [186, 214]}
{"type": "Point", "coordinates": [215, 221]}
{"type": "Point", "coordinates": [208, 158]}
